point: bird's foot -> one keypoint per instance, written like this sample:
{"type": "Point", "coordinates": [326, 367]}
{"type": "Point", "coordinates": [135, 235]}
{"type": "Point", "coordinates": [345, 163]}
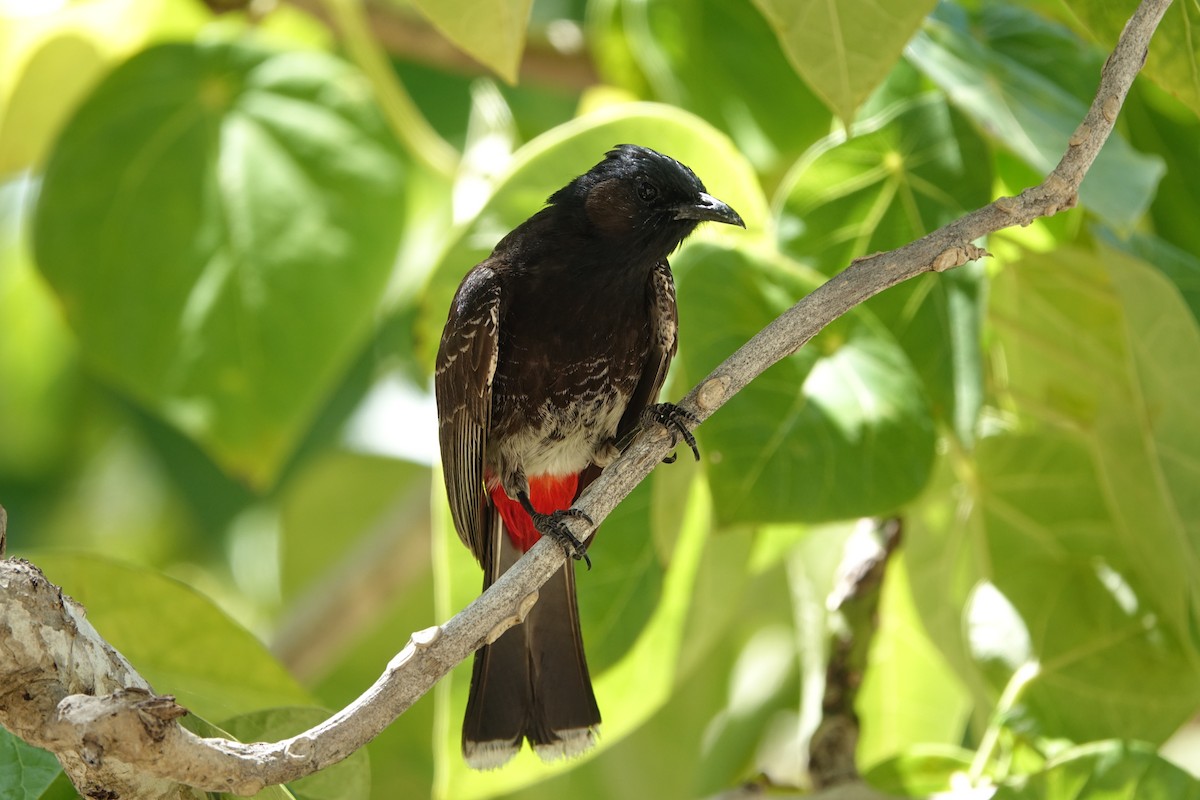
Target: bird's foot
{"type": "Point", "coordinates": [676, 421]}
{"type": "Point", "coordinates": [555, 526]}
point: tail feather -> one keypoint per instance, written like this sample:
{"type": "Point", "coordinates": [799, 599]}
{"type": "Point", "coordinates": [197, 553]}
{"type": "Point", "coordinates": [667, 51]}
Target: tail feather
{"type": "Point", "coordinates": [531, 683]}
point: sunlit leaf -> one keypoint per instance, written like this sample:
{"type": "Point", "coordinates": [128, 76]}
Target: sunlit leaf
{"type": "Point", "coordinates": [921, 771]}
{"type": "Point", "coordinates": [843, 50]}
{"type": "Point", "coordinates": [1180, 267]}
{"type": "Point", "coordinates": [1174, 58]}
{"type": "Point", "coordinates": [219, 222]}
{"type": "Point", "coordinates": [1106, 344]}
{"type": "Point", "coordinates": [492, 33]}
{"type": "Point", "coordinates": [1036, 528]}
{"type": "Point", "coordinates": [51, 57]}
{"type": "Point", "coordinates": [1085, 522]}
{"type": "Point", "coordinates": [37, 411]}
{"type": "Point", "coordinates": [909, 696]}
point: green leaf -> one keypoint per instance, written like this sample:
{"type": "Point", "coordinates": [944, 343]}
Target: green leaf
{"type": "Point", "coordinates": [691, 55]}
{"type": "Point", "coordinates": [1109, 770]}
{"type": "Point", "coordinates": [909, 696]}
{"type": "Point", "coordinates": [988, 64]}
{"type": "Point", "coordinates": [1034, 526]}
{"type": "Point", "coordinates": [25, 771]}
{"type": "Point", "coordinates": [616, 605]}
{"type": "Point", "coordinates": [352, 493]}
{"type": "Point", "coordinates": [920, 771]}
{"type": "Point", "coordinates": [903, 172]}
{"type": "Point", "coordinates": [49, 58]}
{"type": "Point", "coordinates": [1174, 58]}
{"type": "Point", "coordinates": [1105, 345]}
{"type": "Point", "coordinates": [843, 50]}
{"type": "Point", "coordinates": [841, 429]}
{"type": "Point", "coordinates": [60, 788]}
{"type": "Point", "coordinates": [492, 33]}
{"type": "Point", "coordinates": [38, 408]}
{"type": "Point", "coordinates": [1160, 125]}
{"type": "Point", "coordinates": [1085, 522]}
{"type": "Point", "coordinates": [175, 637]}
{"type": "Point", "coordinates": [1180, 267]}
{"type": "Point", "coordinates": [219, 222]}
{"type": "Point", "coordinates": [346, 780]}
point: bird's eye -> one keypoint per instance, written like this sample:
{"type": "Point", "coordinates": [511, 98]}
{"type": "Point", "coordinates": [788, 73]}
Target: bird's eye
{"type": "Point", "coordinates": [647, 191]}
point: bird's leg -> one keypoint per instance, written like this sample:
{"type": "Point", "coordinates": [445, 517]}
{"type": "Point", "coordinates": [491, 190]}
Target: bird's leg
{"type": "Point", "coordinates": [552, 525]}
{"type": "Point", "coordinates": [676, 421]}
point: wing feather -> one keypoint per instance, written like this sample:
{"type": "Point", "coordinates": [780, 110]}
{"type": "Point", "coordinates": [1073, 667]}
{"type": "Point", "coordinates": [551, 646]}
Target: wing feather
{"type": "Point", "coordinates": [664, 328]}
{"type": "Point", "coordinates": [466, 365]}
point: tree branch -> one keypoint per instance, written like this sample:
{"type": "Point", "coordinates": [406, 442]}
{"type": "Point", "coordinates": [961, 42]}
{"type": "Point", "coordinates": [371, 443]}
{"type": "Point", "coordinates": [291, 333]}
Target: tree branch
{"type": "Point", "coordinates": [73, 694]}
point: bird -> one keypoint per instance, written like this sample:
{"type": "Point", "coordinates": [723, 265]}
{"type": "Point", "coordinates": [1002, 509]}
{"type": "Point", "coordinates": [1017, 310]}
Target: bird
{"type": "Point", "coordinates": [553, 354]}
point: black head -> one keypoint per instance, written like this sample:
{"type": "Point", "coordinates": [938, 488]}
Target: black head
{"type": "Point", "coordinates": [642, 201]}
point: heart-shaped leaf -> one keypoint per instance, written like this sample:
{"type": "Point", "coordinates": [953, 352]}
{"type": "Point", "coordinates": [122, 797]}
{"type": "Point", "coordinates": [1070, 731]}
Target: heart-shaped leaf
{"type": "Point", "coordinates": [219, 222]}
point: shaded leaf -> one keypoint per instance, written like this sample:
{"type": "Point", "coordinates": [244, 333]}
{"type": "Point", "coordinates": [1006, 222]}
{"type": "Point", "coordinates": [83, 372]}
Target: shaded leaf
{"type": "Point", "coordinates": [174, 637]}
{"type": "Point", "coordinates": [843, 50]}
{"type": "Point", "coordinates": [219, 222]}
{"type": "Point", "coordinates": [1160, 125]}
{"type": "Point", "coordinates": [841, 429]}
{"type": "Point", "coordinates": [25, 771]}
{"type": "Point", "coordinates": [903, 172]}
{"type": "Point", "coordinates": [692, 55]}
{"type": "Point", "coordinates": [1110, 770]}
{"type": "Point", "coordinates": [983, 63]}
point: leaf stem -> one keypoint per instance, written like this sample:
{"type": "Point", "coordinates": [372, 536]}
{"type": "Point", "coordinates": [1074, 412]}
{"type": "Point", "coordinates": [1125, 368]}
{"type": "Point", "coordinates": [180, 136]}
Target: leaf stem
{"type": "Point", "coordinates": [991, 738]}
{"type": "Point", "coordinates": [405, 118]}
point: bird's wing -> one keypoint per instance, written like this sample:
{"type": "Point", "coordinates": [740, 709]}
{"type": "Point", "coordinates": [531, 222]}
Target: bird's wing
{"type": "Point", "coordinates": [466, 364]}
{"type": "Point", "coordinates": [664, 325]}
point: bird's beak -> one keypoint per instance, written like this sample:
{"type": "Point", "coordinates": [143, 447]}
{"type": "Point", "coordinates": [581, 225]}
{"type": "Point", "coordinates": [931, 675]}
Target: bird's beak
{"type": "Point", "coordinates": [707, 207]}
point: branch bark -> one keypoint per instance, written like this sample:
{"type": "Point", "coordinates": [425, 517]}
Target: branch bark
{"type": "Point", "coordinates": [73, 694]}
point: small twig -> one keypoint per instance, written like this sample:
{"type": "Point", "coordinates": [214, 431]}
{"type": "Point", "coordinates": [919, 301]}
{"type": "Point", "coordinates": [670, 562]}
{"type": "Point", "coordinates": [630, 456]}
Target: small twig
{"type": "Point", "coordinates": [831, 758]}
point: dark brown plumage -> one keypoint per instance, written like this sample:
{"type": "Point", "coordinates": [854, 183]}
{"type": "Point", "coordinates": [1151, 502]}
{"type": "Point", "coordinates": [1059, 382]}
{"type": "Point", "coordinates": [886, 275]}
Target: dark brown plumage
{"type": "Point", "coordinates": [554, 347]}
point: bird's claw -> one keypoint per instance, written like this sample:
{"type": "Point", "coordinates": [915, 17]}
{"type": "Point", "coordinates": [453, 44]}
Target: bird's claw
{"type": "Point", "coordinates": [676, 421]}
{"type": "Point", "coordinates": [553, 525]}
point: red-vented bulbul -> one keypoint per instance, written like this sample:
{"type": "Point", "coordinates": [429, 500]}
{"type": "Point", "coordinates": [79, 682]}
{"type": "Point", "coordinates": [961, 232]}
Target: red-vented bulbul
{"type": "Point", "coordinates": [555, 348]}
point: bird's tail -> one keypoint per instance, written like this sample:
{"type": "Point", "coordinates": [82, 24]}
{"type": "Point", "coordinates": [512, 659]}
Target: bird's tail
{"type": "Point", "coordinates": [531, 683]}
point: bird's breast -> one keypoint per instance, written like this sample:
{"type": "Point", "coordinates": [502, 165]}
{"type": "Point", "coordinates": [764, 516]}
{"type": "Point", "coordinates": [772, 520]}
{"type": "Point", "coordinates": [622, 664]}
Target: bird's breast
{"type": "Point", "coordinates": [564, 377]}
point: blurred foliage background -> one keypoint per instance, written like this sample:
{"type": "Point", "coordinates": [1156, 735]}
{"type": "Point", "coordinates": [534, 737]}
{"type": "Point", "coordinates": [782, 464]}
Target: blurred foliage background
{"type": "Point", "coordinates": [228, 237]}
